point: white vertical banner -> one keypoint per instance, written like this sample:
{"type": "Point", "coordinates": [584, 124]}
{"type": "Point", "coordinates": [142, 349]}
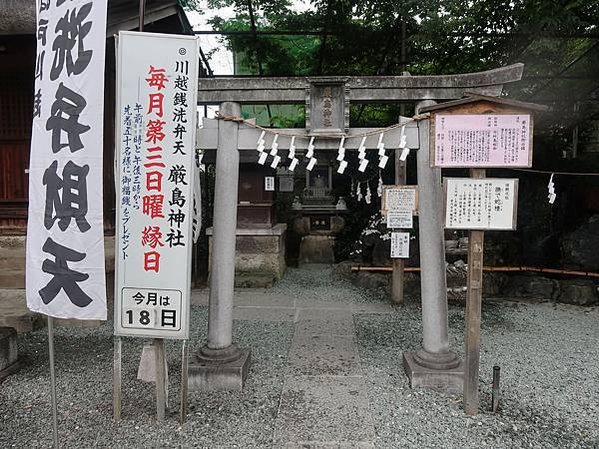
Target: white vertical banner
{"type": "Point", "coordinates": [156, 172]}
{"type": "Point", "coordinates": [65, 275]}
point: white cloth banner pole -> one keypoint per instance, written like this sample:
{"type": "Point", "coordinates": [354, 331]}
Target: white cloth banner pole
{"type": "Point", "coordinates": [65, 275]}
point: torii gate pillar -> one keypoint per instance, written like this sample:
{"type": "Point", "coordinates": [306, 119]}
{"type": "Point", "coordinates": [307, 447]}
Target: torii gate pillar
{"type": "Point", "coordinates": [220, 365]}
{"type": "Point", "coordinates": [433, 366]}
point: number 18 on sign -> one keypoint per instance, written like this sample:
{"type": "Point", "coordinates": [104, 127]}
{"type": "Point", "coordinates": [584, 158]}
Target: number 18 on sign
{"type": "Point", "coordinates": [156, 139]}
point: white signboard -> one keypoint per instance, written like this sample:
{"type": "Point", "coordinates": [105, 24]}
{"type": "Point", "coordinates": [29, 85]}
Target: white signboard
{"type": "Point", "coordinates": [65, 232]}
{"type": "Point", "coordinates": [156, 123]}
{"type": "Point", "coordinates": [482, 140]}
{"type": "Point", "coordinates": [400, 218]}
{"type": "Point", "coordinates": [269, 183]}
{"type": "Point", "coordinates": [481, 204]}
{"type": "Point", "coordinates": [400, 245]}
{"type": "Point", "coordinates": [400, 198]}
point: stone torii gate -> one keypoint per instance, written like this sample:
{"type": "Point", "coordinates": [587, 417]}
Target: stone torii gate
{"type": "Point", "coordinates": [221, 364]}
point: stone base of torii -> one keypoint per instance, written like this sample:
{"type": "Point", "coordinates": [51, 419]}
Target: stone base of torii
{"type": "Point", "coordinates": [220, 364]}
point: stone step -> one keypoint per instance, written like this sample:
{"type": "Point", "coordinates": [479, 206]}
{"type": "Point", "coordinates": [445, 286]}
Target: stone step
{"type": "Point", "coordinates": [12, 279]}
{"type": "Point", "coordinates": [12, 260]}
{"type": "Point", "coordinates": [23, 323]}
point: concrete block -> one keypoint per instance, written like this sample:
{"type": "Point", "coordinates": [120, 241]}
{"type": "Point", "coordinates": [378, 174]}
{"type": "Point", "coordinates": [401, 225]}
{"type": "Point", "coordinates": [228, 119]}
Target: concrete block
{"type": "Point", "coordinates": [206, 376]}
{"type": "Point", "coordinates": [446, 380]}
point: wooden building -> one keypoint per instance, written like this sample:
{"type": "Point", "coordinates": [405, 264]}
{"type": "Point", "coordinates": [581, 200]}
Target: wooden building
{"type": "Point", "coordinates": [17, 67]}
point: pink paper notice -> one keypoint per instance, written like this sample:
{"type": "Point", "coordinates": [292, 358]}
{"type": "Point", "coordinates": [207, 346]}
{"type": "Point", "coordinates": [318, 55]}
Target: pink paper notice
{"type": "Point", "coordinates": [482, 141]}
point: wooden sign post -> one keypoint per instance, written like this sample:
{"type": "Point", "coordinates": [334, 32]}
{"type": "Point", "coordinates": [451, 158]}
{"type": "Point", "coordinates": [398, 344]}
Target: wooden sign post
{"type": "Point", "coordinates": [476, 241]}
{"type": "Point", "coordinates": [477, 133]}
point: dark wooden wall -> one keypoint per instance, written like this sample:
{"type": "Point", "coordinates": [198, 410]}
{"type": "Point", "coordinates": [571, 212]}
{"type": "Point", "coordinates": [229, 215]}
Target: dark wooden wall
{"type": "Point", "coordinates": [17, 66]}
{"type": "Point", "coordinates": [17, 61]}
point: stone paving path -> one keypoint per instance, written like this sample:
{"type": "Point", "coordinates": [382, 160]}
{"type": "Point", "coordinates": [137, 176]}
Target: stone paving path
{"type": "Point", "coordinates": [324, 401]}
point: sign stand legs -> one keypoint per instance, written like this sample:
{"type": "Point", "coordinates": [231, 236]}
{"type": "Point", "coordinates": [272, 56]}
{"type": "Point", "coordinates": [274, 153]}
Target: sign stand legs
{"type": "Point", "coordinates": [117, 378]}
{"type": "Point", "coordinates": [53, 379]}
{"type": "Point", "coordinates": [160, 379]}
{"type": "Point", "coordinates": [184, 380]}
{"type": "Point", "coordinates": [473, 313]}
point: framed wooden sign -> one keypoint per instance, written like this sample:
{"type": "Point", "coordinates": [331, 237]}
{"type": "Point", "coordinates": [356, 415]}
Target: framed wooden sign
{"type": "Point", "coordinates": [481, 204]}
{"type": "Point", "coordinates": [481, 132]}
{"type": "Point", "coordinates": [482, 140]}
{"type": "Point", "coordinates": [399, 197]}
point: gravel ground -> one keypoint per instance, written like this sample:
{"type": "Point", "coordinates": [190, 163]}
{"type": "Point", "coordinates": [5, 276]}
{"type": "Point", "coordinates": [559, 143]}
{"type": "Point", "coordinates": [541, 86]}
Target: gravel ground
{"type": "Point", "coordinates": [549, 357]}
{"type": "Point", "coordinates": [84, 387]}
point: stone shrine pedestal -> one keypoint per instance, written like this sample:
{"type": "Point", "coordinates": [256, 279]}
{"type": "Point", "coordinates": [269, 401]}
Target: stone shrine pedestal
{"type": "Point", "coordinates": [9, 358]}
{"type": "Point", "coordinates": [259, 255]}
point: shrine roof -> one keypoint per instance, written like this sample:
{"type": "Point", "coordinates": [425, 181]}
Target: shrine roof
{"type": "Point", "coordinates": [474, 98]}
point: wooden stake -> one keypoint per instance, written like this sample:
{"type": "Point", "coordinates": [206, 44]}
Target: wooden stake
{"type": "Point", "coordinates": [117, 379]}
{"type": "Point", "coordinates": [160, 379]}
{"type": "Point", "coordinates": [473, 313]}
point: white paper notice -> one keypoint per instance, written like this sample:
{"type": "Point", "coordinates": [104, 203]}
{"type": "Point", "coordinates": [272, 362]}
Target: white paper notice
{"type": "Point", "coordinates": [400, 245]}
{"type": "Point", "coordinates": [482, 204]}
{"type": "Point", "coordinates": [399, 198]}
{"type": "Point", "coordinates": [400, 219]}
{"type": "Point", "coordinates": [269, 183]}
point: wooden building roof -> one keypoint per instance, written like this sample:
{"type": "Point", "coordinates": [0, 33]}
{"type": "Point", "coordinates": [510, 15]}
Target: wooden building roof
{"type": "Point", "coordinates": [17, 17]}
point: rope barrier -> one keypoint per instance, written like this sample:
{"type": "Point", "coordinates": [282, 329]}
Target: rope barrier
{"type": "Point", "coordinates": [241, 120]}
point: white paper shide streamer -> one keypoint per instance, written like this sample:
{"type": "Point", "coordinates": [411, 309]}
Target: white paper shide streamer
{"type": "Point", "coordinates": [551, 188]}
{"type": "Point", "coordinates": [274, 152]}
{"type": "Point", "coordinates": [405, 151]}
{"type": "Point", "coordinates": [383, 158]}
{"type": "Point", "coordinates": [260, 148]}
{"type": "Point", "coordinates": [310, 155]}
{"type": "Point", "coordinates": [341, 156]}
{"type": "Point", "coordinates": [362, 155]}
